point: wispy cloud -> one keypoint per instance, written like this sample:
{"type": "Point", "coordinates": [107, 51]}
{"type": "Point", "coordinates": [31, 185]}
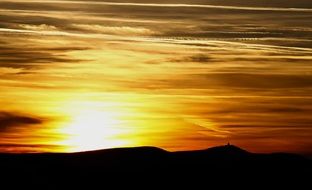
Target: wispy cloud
{"type": "Point", "coordinates": [117, 30]}
{"type": "Point", "coordinates": [18, 55]}
{"type": "Point", "coordinates": [173, 5]}
{"type": "Point", "coordinates": [41, 27]}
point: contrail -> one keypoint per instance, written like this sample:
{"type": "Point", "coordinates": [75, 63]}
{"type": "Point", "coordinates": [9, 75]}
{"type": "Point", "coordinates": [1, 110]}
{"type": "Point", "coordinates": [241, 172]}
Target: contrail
{"type": "Point", "coordinates": [169, 5]}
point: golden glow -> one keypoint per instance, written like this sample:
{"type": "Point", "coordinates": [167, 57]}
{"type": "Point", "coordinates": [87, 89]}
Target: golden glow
{"type": "Point", "coordinates": [92, 125]}
{"type": "Point", "coordinates": [92, 129]}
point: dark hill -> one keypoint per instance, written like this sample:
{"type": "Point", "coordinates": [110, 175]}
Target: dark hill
{"type": "Point", "coordinates": [149, 163]}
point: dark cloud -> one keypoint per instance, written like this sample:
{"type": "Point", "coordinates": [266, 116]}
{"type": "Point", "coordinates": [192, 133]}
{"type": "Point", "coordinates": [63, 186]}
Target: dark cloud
{"type": "Point", "coordinates": [22, 146]}
{"type": "Point", "coordinates": [11, 20]}
{"type": "Point", "coordinates": [260, 109]}
{"type": "Point", "coordinates": [263, 80]}
{"type": "Point", "coordinates": [247, 80]}
{"type": "Point", "coordinates": [28, 6]}
{"type": "Point", "coordinates": [19, 56]}
{"type": "Point", "coordinates": [247, 83]}
{"type": "Point", "coordinates": [8, 120]}
{"type": "Point", "coordinates": [198, 58]}
{"type": "Point", "coordinates": [31, 148]}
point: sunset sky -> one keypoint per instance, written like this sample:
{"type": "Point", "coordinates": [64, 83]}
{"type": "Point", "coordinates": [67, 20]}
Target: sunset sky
{"type": "Point", "coordinates": [176, 74]}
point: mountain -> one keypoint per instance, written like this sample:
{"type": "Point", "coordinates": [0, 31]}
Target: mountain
{"type": "Point", "coordinates": [148, 163]}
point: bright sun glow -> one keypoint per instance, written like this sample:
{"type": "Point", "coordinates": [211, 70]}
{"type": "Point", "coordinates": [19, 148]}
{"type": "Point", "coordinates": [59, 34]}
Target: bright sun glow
{"type": "Point", "coordinates": [91, 130]}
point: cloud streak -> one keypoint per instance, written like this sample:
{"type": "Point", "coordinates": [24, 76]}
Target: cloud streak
{"type": "Point", "coordinates": [123, 30]}
{"type": "Point", "coordinates": [176, 5]}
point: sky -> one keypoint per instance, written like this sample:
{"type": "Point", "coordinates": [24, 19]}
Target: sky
{"type": "Point", "coordinates": [176, 74]}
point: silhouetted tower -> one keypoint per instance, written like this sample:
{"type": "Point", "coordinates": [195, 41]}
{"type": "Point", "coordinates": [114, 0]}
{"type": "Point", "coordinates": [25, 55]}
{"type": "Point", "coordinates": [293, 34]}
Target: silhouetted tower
{"type": "Point", "coordinates": [229, 144]}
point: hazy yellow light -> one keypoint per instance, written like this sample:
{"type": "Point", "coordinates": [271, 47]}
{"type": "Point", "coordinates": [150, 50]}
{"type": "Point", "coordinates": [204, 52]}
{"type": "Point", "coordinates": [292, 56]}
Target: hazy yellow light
{"type": "Point", "coordinates": [94, 129]}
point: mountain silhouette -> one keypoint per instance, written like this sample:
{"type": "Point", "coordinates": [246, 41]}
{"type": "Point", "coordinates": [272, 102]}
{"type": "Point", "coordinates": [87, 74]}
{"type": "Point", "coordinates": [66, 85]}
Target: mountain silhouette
{"type": "Point", "coordinates": [148, 163]}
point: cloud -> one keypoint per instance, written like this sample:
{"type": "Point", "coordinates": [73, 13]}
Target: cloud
{"type": "Point", "coordinates": [115, 30]}
{"type": "Point", "coordinates": [194, 22]}
{"type": "Point", "coordinates": [41, 27]}
{"type": "Point", "coordinates": [197, 58]}
{"type": "Point", "coordinates": [243, 80]}
{"type": "Point", "coordinates": [249, 83]}
{"type": "Point", "coordinates": [266, 81]}
{"type": "Point", "coordinates": [21, 58]}
{"type": "Point", "coordinates": [9, 120]}
{"type": "Point", "coordinates": [177, 4]}
{"type": "Point", "coordinates": [18, 55]}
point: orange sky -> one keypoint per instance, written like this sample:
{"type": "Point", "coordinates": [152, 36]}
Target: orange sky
{"type": "Point", "coordinates": [85, 75]}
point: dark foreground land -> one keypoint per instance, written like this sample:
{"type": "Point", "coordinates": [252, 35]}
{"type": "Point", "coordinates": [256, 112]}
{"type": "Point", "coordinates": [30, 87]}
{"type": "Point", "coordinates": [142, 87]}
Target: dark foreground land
{"type": "Point", "coordinates": [152, 165]}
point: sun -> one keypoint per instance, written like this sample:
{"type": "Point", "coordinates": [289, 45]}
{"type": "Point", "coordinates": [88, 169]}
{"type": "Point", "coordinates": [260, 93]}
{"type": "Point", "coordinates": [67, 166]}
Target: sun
{"type": "Point", "coordinates": [94, 129]}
